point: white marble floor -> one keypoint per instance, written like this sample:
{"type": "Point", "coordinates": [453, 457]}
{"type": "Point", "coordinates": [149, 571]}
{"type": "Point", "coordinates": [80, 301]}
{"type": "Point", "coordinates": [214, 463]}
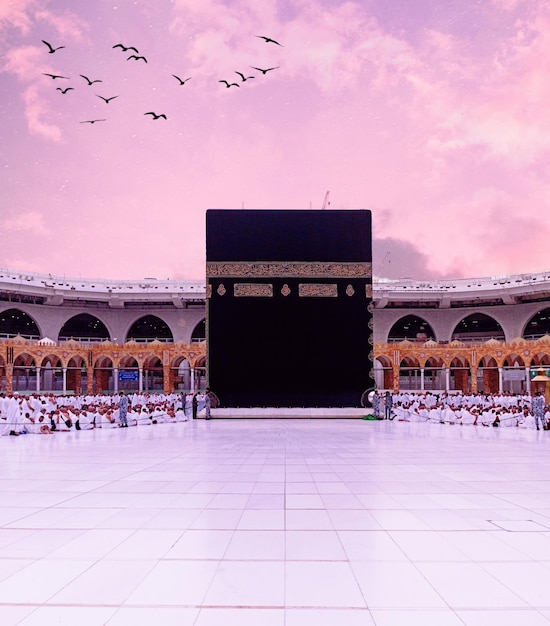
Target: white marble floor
{"type": "Point", "coordinates": [277, 523]}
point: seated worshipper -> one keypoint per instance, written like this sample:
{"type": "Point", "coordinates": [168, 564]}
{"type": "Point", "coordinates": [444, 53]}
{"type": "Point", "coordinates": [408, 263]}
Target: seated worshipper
{"type": "Point", "coordinates": [448, 415]}
{"type": "Point", "coordinates": [131, 417]}
{"type": "Point", "coordinates": [84, 420]}
{"type": "Point", "coordinates": [527, 420]}
{"type": "Point", "coordinates": [105, 419]}
{"type": "Point", "coordinates": [401, 412]}
{"type": "Point", "coordinates": [170, 416]}
{"type": "Point", "coordinates": [142, 416]}
{"type": "Point", "coordinates": [468, 417]}
{"type": "Point", "coordinates": [67, 419]}
{"type": "Point", "coordinates": [508, 417]}
{"type": "Point", "coordinates": [487, 416]}
{"type": "Point", "coordinates": [33, 425]}
{"type": "Point", "coordinates": [420, 415]}
{"type": "Point", "coordinates": [158, 414]}
{"type": "Point", "coordinates": [434, 415]}
{"type": "Point", "coordinates": [180, 414]}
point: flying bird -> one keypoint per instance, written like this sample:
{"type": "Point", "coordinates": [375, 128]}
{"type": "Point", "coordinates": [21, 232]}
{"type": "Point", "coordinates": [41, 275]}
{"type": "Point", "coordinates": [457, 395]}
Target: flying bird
{"type": "Point", "coordinates": [155, 115]}
{"type": "Point", "coordinates": [126, 48]}
{"type": "Point", "coordinates": [243, 77]}
{"type": "Point", "coordinates": [182, 82]}
{"type": "Point", "coordinates": [264, 72]}
{"type": "Point", "coordinates": [90, 82]}
{"type": "Point", "coordinates": [51, 48]}
{"type": "Point", "coordinates": [92, 121]}
{"type": "Point", "coordinates": [54, 76]}
{"type": "Point", "coordinates": [229, 84]}
{"type": "Point", "coordinates": [133, 56]}
{"type": "Point", "coordinates": [64, 90]}
{"type": "Point", "coordinates": [269, 40]}
{"type": "Point", "coordinates": [107, 100]}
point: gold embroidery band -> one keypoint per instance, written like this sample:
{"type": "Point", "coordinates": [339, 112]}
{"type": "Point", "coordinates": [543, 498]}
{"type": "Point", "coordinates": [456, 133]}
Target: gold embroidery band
{"type": "Point", "coordinates": [258, 290]}
{"type": "Point", "coordinates": [287, 269]}
{"type": "Point", "coordinates": [312, 290]}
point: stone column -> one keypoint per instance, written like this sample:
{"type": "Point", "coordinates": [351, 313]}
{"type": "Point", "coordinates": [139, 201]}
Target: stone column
{"type": "Point", "coordinates": [89, 380]}
{"type": "Point", "coordinates": [9, 378]}
{"type": "Point", "coordinates": [500, 379]}
{"type": "Point", "coordinates": [140, 380]}
{"type": "Point", "coordinates": [192, 379]}
{"type": "Point", "coordinates": [115, 379]}
{"type": "Point", "coordinates": [447, 378]}
{"type": "Point", "coordinates": [396, 370]}
{"type": "Point", "coordinates": [38, 368]}
{"type": "Point", "coordinates": [64, 379]}
{"type": "Point", "coordinates": [473, 375]}
{"type": "Point", "coordinates": [421, 379]}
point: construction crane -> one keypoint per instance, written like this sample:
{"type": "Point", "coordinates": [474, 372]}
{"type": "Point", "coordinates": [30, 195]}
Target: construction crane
{"type": "Point", "coordinates": [326, 201]}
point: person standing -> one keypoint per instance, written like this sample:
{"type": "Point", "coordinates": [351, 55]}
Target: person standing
{"type": "Point", "coordinates": [123, 410]}
{"type": "Point", "coordinates": [388, 403]}
{"type": "Point", "coordinates": [207, 404]}
{"type": "Point", "coordinates": [376, 405]}
{"type": "Point", "coordinates": [537, 406]}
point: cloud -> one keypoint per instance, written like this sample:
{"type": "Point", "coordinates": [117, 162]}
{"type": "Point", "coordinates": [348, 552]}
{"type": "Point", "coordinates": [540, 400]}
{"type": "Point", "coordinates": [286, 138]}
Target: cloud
{"type": "Point", "coordinates": [396, 258]}
{"type": "Point", "coordinates": [30, 221]}
{"type": "Point", "coordinates": [16, 15]}
{"type": "Point", "coordinates": [22, 63]}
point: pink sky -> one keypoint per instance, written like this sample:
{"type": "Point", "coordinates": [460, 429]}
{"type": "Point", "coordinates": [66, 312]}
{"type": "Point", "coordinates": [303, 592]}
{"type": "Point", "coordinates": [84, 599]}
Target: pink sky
{"type": "Point", "coordinates": [434, 114]}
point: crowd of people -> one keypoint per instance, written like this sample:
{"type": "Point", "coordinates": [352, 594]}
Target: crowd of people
{"type": "Point", "coordinates": [476, 409]}
{"type": "Point", "coordinates": [43, 414]}
{"type": "Point", "coordinates": [47, 413]}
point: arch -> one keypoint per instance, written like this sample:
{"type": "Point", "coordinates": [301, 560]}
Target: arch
{"type": "Point", "coordinates": [383, 372]}
{"type": "Point", "coordinates": [488, 375]}
{"type": "Point", "coordinates": [514, 374]}
{"type": "Point", "coordinates": [51, 373]}
{"type": "Point", "coordinates": [460, 375]}
{"type": "Point", "coordinates": [541, 358]}
{"type": "Point", "coordinates": [514, 360]}
{"type": "Point", "coordinates": [128, 374]}
{"type": "Point", "coordinates": [149, 328]}
{"type": "Point", "coordinates": [153, 374]}
{"type": "Point", "coordinates": [411, 327]}
{"type": "Point", "coordinates": [77, 375]}
{"type": "Point", "coordinates": [84, 327]}
{"type": "Point", "coordinates": [538, 325]}
{"type": "Point", "coordinates": [434, 374]}
{"type": "Point", "coordinates": [409, 374]}
{"type": "Point", "coordinates": [180, 374]}
{"type": "Point", "coordinates": [200, 374]}
{"type": "Point", "coordinates": [478, 327]}
{"type": "Point", "coordinates": [199, 332]}
{"type": "Point", "coordinates": [103, 376]}
{"type": "Point", "coordinates": [24, 373]}
{"type": "Point", "coordinates": [15, 322]}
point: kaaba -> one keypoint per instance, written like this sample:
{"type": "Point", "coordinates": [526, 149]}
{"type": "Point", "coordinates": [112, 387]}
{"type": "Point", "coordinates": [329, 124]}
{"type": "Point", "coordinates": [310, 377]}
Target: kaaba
{"type": "Point", "coordinates": [289, 307]}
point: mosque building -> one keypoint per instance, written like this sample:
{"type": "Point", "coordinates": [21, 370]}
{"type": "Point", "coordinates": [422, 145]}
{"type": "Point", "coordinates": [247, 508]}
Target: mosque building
{"type": "Point", "coordinates": [70, 335]}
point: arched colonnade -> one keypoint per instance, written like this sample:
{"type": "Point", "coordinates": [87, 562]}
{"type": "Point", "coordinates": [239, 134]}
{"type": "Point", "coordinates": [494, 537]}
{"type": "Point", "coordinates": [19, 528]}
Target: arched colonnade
{"type": "Point", "coordinates": [83, 368]}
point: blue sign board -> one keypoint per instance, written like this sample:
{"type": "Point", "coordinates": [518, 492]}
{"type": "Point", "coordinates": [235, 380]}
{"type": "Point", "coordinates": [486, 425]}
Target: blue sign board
{"type": "Point", "coordinates": [125, 375]}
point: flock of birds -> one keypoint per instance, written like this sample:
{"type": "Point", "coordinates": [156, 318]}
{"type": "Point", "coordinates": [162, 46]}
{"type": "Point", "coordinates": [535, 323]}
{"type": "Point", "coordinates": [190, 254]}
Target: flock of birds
{"type": "Point", "coordinates": [137, 57]}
